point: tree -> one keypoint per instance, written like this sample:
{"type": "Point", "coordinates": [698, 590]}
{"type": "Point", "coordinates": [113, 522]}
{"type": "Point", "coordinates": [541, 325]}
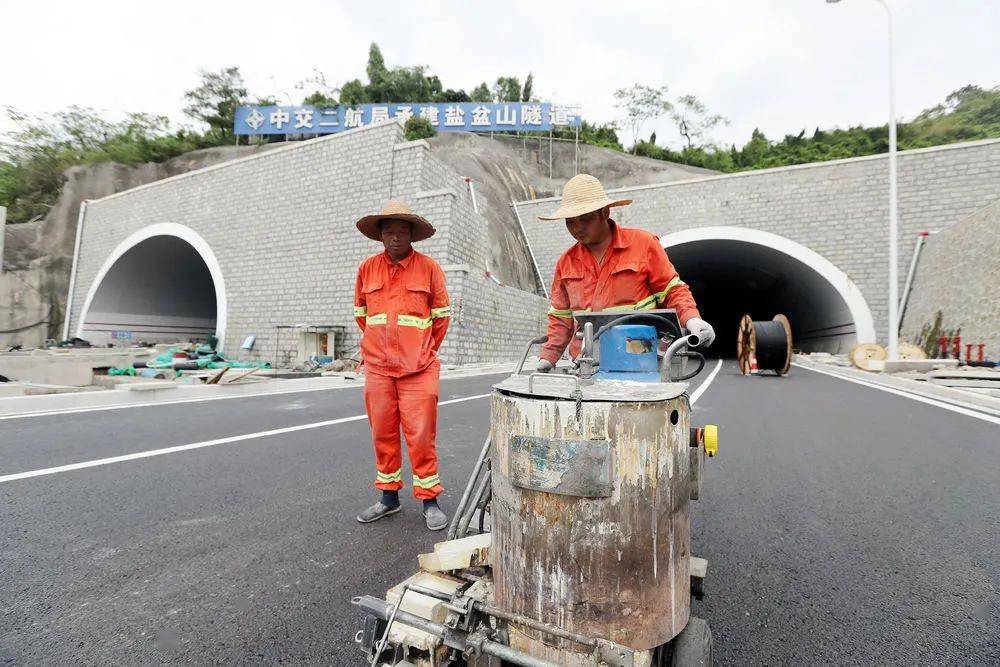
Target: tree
{"type": "Point", "coordinates": [453, 96]}
{"type": "Point", "coordinates": [528, 90]}
{"type": "Point", "coordinates": [354, 92]}
{"type": "Point", "coordinates": [507, 89]}
{"type": "Point", "coordinates": [642, 103]}
{"type": "Point", "coordinates": [323, 95]}
{"type": "Point", "coordinates": [215, 100]}
{"type": "Point", "coordinates": [481, 93]}
{"type": "Point", "coordinates": [376, 72]}
{"type": "Point", "coordinates": [693, 120]}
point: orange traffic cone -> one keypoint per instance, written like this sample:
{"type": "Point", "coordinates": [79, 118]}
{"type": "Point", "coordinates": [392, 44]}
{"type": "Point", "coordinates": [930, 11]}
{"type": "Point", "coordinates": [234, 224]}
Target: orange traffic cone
{"type": "Point", "coordinates": [753, 365]}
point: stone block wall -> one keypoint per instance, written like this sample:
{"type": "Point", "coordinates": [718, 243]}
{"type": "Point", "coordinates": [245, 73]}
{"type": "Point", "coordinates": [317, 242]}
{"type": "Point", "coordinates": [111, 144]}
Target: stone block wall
{"type": "Point", "coordinates": [281, 227]}
{"type": "Point", "coordinates": [956, 287]}
{"type": "Point", "coordinates": [838, 209]}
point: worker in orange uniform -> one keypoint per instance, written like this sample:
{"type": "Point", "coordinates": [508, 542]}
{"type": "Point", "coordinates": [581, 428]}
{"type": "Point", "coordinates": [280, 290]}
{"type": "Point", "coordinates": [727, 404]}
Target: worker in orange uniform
{"type": "Point", "coordinates": [402, 307]}
{"type": "Point", "coordinates": [609, 268]}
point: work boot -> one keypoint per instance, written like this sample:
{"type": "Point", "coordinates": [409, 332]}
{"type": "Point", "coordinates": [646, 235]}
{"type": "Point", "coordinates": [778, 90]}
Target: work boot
{"type": "Point", "coordinates": [389, 504]}
{"type": "Point", "coordinates": [436, 519]}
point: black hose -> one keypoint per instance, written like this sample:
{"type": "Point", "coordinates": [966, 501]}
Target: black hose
{"type": "Point", "coordinates": [691, 354]}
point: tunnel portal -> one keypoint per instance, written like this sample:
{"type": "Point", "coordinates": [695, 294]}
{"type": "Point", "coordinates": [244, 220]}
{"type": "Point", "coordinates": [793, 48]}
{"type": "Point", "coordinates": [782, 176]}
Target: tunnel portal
{"type": "Point", "coordinates": [159, 290]}
{"type": "Point", "coordinates": [730, 276]}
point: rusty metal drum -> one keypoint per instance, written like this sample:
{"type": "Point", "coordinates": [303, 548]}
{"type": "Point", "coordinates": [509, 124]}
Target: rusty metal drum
{"type": "Point", "coordinates": [590, 509]}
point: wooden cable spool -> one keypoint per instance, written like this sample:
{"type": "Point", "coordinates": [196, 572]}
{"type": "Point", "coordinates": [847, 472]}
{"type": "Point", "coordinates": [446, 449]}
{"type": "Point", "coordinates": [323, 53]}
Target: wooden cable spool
{"type": "Point", "coordinates": [768, 341]}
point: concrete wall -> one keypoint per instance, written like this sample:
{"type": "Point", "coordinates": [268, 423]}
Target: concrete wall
{"type": "Point", "coordinates": [281, 227]}
{"type": "Point", "coordinates": [837, 209]}
{"type": "Point", "coordinates": [956, 290]}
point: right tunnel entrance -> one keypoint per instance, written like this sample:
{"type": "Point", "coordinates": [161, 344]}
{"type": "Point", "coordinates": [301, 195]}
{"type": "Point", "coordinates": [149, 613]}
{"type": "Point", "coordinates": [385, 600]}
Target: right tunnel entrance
{"type": "Point", "coordinates": [735, 271]}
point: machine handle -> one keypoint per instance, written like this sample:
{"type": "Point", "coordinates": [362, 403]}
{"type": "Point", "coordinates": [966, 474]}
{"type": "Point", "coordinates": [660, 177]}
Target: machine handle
{"type": "Point", "coordinates": [534, 341]}
{"type": "Point", "coordinates": [571, 378]}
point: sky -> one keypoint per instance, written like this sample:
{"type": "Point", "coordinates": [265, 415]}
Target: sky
{"type": "Point", "coordinates": [777, 65]}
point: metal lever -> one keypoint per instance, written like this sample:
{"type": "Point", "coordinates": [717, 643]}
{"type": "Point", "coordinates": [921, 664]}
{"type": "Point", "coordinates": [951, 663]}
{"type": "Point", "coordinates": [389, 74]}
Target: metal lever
{"type": "Point", "coordinates": [534, 341]}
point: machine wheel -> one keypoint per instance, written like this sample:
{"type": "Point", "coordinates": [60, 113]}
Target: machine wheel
{"type": "Point", "coordinates": [693, 646]}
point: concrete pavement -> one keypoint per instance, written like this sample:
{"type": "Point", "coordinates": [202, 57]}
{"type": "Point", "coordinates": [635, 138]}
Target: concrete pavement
{"type": "Point", "coordinates": [841, 524]}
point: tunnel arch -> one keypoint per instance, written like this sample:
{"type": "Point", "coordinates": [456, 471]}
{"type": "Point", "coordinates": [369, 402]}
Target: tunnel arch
{"type": "Point", "coordinates": [765, 274]}
{"type": "Point", "coordinates": [158, 263]}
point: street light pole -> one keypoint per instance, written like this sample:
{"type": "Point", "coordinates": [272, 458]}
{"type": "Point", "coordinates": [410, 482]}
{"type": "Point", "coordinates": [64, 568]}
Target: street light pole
{"type": "Point", "coordinates": [893, 212]}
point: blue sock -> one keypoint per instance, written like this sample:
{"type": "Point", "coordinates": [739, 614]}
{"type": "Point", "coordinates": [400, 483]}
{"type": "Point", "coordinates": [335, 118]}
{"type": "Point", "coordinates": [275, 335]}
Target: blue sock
{"type": "Point", "coordinates": [390, 499]}
{"type": "Point", "coordinates": [430, 502]}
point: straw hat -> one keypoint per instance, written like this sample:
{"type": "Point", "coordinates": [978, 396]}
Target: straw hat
{"type": "Point", "coordinates": [583, 194]}
{"type": "Point", "coordinates": [396, 210]}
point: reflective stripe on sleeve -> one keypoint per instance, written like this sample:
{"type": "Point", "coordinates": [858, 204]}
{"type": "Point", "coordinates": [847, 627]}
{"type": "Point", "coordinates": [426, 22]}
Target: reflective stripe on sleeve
{"type": "Point", "coordinates": [443, 311]}
{"type": "Point", "coordinates": [378, 318]}
{"type": "Point", "coordinates": [360, 311]}
{"type": "Point", "coordinates": [565, 314]}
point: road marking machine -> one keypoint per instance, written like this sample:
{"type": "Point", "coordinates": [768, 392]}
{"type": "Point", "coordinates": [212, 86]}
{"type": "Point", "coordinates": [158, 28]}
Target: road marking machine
{"type": "Point", "coordinates": [571, 544]}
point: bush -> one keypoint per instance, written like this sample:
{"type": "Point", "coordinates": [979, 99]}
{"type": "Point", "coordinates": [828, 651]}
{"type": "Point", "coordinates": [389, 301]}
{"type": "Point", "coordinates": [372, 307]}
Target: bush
{"type": "Point", "coordinates": [418, 128]}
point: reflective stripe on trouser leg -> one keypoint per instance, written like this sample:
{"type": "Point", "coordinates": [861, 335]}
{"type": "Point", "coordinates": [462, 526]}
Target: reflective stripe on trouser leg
{"type": "Point", "coordinates": [382, 406]}
{"type": "Point", "coordinates": [418, 397]}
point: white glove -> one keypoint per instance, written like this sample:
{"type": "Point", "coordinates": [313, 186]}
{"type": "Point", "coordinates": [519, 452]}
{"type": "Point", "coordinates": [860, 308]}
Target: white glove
{"type": "Point", "coordinates": [702, 329]}
{"type": "Point", "coordinates": [544, 366]}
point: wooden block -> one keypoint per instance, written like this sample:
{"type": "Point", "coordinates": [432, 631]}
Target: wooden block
{"type": "Point", "coordinates": [469, 551]}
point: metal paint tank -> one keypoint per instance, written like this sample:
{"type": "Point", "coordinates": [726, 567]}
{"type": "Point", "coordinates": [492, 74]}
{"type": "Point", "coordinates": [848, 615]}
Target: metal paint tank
{"type": "Point", "coordinates": [590, 495]}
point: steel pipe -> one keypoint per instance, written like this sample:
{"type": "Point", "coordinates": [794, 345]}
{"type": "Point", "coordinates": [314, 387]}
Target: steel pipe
{"type": "Point", "coordinates": [690, 340]}
{"type": "Point", "coordinates": [483, 453]}
{"type": "Point", "coordinates": [463, 524]}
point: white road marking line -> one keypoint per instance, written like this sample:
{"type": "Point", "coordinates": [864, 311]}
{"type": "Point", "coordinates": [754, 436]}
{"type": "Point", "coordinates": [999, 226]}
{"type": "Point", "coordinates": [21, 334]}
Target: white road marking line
{"type": "Point", "coordinates": [199, 445]}
{"type": "Point", "coordinates": [916, 397]}
{"type": "Point", "coordinates": [148, 404]}
{"type": "Point", "coordinates": [704, 385]}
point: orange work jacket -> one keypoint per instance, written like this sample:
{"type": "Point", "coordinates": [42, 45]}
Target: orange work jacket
{"type": "Point", "coordinates": [634, 274]}
{"type": "Point", "coordinates": [403, 311]}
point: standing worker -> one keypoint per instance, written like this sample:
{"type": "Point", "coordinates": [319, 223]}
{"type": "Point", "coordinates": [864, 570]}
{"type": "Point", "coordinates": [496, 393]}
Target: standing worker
{"type": "Point", "coordinates": [609, 268]}
{"type": "Point", "coordinates": [402, 307]}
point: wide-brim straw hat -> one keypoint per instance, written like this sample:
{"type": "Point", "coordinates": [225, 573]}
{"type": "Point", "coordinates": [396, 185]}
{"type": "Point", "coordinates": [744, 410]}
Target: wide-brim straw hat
{"type": "Point", "coordinates": [396, 210]}
{"type": "Point", "coordinates": [583, 194]}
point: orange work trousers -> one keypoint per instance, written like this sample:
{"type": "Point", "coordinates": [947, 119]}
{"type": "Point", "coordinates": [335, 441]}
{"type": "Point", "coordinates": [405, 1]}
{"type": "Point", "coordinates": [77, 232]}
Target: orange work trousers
{"type": "Point", "coordinates": [410, 401]}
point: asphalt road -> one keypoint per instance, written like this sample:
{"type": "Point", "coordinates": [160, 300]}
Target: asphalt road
{"type": "Point", "coordinates": [842, 525]}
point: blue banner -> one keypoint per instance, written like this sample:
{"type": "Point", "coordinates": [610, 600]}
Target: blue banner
{"type": "Point", "coordinates": [444, 117]}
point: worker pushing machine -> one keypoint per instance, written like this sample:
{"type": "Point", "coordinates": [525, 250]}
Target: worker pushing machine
{"type": "Point", "coordinates": [402, 307]}
{"type": "Point", "coordinates": [610, 268]}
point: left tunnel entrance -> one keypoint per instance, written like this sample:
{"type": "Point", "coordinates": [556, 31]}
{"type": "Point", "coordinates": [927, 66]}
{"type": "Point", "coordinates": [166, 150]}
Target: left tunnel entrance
{"type": "Point", "coordinates": [159, 290]}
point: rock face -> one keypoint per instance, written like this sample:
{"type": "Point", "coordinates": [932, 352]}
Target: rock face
{"type": "Point", "coordinates": [38, 256]}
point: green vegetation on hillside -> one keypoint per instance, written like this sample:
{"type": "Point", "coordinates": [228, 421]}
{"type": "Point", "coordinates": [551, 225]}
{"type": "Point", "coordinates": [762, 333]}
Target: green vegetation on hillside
{"type": "Point", "coordinates": [34, 156]}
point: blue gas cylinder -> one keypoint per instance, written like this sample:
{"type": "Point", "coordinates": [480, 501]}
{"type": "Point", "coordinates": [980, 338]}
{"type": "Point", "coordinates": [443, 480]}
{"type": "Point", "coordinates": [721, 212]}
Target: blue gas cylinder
{"type": "Point", "coordinates": [628, 352]}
